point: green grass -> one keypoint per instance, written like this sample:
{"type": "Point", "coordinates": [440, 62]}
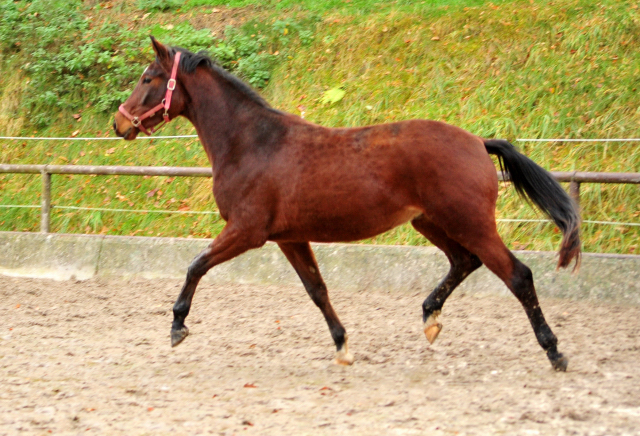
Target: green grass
{"type": "Point", "coordinates": [350, 8]}
{"type": "Point", "coordinates": [510, 69]}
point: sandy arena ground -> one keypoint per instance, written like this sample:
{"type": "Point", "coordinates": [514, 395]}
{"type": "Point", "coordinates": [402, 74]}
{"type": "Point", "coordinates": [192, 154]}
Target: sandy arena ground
{"type": "Point", "coordinates": [94, 357]}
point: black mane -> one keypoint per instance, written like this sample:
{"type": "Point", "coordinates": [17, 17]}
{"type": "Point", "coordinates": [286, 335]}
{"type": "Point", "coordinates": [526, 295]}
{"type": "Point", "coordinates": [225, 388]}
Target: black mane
{"type": "Point", "coordinates": [190, 61]}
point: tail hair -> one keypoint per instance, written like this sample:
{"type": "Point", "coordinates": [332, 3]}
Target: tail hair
{"type": "Point", "coordinates": [538, 186]}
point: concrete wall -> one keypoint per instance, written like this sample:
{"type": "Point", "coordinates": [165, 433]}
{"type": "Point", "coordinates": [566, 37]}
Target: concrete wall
{"type": "Point", "coordinates": [344, 266]}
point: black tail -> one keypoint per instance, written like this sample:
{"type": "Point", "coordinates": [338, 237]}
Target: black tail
{"type": "Point", "coordinates": [537, 185]}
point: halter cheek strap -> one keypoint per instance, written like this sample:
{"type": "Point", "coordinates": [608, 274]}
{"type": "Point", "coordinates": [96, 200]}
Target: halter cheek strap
{"type": "Point", "coordinates": [166, 103]}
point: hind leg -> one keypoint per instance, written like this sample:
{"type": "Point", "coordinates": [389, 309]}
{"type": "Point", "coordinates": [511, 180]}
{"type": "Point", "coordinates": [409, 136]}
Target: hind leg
{"type": "Point", "coordinates": [519, 279]}
{"type": "Point", "coordinates": [462, 263]}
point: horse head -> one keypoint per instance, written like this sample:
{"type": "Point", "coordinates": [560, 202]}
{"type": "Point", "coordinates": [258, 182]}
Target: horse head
{"type": "Point", "coordinates": [157, 97]}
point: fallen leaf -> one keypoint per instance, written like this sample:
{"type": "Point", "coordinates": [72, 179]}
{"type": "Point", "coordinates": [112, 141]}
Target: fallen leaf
{"type": "Point", "coordinates": [110, 151]}
{"type": "Point", "coordinates": [435, 38]}
{"type": "Point", "coordinates": [333, 95]}
{"type": "Point", "coordinates": [302, 110]}
{"type": "Point", "coordinates": [77, 116]}
{"type": "Point", "coordinates": [250, 385]}
{"type": "Point", "coordinates": [74, 134]}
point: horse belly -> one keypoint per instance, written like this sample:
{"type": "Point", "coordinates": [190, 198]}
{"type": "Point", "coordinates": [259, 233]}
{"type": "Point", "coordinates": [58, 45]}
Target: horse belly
{"type": "Point", "coordinates": [345, 227]}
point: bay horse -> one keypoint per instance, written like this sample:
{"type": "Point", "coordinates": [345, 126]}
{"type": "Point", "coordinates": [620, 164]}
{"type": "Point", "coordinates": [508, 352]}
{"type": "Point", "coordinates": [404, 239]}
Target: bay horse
{"type": "Point", "coordinates": [278, 177]}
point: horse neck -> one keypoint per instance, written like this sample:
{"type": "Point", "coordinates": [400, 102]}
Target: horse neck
{"type": "Point", "coordinates": [228, 122]}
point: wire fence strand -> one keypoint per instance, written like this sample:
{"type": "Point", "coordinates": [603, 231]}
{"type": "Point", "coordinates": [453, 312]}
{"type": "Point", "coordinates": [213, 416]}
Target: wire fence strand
{"type": "Point", "coordinates": [578, 140]}
{"type": "Point", "coordinates": [75, 138]}
{"type": "Point", "coordinates": [104, 209]}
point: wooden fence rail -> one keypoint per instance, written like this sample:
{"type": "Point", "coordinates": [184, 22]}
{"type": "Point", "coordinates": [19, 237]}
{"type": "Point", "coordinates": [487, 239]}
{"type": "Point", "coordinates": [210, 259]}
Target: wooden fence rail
{"type": "Point", "coordinates": [574, 178]}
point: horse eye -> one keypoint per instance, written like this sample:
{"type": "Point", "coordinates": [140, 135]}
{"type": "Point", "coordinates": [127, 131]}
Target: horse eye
{"type": "Point", "coordinates": [146, 80]}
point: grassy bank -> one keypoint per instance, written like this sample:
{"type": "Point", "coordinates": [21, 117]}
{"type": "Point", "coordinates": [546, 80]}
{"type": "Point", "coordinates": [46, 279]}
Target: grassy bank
{"type": "Point", "coordinates": [509, 69]}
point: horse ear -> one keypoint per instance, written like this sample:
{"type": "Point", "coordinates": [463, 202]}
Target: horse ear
{"type": "Point", "coordinates": [161, 51]}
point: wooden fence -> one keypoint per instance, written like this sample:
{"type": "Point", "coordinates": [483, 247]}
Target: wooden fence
{"type": "Point", "coordinates": [574, 178]}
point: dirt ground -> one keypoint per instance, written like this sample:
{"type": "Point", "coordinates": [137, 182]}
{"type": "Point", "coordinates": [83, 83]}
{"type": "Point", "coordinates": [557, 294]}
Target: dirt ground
{"type": "Point", "coordinates": [94, 357]}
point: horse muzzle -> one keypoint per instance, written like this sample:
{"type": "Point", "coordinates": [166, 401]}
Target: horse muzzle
{"type": "Point", "coordinates": [124, 128]}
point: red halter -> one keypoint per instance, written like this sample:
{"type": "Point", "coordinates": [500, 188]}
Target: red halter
{"type": "Point", "coordinates": [166, 103]}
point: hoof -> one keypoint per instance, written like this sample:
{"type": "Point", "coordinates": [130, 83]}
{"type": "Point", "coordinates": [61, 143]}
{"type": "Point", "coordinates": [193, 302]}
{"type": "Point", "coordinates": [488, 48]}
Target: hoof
{"type": "Point", "coordinates": [432, 331]}
{"type": "Point", "coordinates": [177, 336]}
{"type": "Point", "coordinates": [560, 364]}
{"type": "Point", "coordinates": [343, 357]}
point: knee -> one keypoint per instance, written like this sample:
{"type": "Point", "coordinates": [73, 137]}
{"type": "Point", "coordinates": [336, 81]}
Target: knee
{"type": "Point", "coordinates": [198, 267]}
{"type": "Point", "coordinates": [466, 264]}
{"type": "Point", "coordinates": [463, 264]}
{"type": "Point", "coordinates": [474, 262]}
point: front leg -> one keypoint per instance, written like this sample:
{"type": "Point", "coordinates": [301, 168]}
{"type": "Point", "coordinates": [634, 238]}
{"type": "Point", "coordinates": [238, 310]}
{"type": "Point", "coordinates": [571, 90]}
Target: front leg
{"type": "Point", "coordinates": [231, 242]}
{"type": "Point", "coordinates": [304, 262]}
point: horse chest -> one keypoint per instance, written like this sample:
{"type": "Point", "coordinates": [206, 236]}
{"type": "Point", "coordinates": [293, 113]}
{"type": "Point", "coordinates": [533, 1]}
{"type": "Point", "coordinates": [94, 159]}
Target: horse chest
{"type": "Point", "coordinates": [240, 195]}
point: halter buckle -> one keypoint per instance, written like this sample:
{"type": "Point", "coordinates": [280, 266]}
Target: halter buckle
{"type": "Point", "coordinates": [171, 84]}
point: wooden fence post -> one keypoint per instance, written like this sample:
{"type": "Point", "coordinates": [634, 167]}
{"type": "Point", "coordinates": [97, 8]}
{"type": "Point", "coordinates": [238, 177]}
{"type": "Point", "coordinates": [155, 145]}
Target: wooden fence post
{"type": "Point", "coordinates": [46, 202]}
{"type": "Point", "coordinates": [574, 191]}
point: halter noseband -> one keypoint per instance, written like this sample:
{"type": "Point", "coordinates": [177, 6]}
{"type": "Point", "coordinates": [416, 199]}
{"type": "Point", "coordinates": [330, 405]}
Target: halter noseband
{"type": "Point", "coordinates": [166, 103]}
